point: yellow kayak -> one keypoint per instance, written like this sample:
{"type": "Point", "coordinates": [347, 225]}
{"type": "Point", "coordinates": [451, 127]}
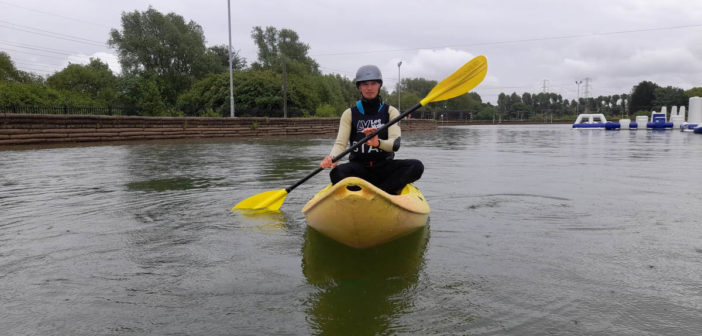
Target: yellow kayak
{"type": "Point", "coordinates": [358, 214]}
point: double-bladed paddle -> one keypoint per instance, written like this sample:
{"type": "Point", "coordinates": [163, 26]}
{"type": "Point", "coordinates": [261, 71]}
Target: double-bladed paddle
{"type": "Point", "coordinates": [463, 80]}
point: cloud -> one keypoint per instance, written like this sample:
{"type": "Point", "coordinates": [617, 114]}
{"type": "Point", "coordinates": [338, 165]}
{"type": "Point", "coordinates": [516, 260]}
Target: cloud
{"type": "Point", "coordinates": [579, 67]}
{"type": "Point", "coordinates": [529, 45]}
{"type": "Point", "coordinates": [655, 61]}
{"type": "Point", "coordinates": [615, 65]}
{"type": "Point", "coordinates": [425, 63]}
{"type": "Point", "coordinates": [111, 60]}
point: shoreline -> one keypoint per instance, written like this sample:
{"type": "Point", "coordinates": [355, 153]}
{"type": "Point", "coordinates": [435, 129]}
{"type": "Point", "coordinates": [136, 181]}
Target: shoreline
{"type": "Point", "coordinates": [43, 129]}
{"type": "Point", "coordinates": [47, 130]}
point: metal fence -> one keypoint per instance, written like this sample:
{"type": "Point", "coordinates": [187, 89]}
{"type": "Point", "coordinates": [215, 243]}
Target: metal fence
{"type": "Point", "coordinates": [443, 115]}
{"type": "Point", "coordinates": [266, 113]}
{"type": "Point", "coordinates": [130, 111]}
{"type": "Point", "coordinates": [436, 115]}
{"type": "Point", "coordinates": [78, 110]}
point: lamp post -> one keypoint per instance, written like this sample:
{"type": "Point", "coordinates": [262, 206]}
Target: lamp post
{"type": "Point", "coordinates": [577, 102]}
{"type": "Point", "coordinates": [231, 80]}
{"type": "Point", "coordinates": [285, 81]}
{"type": "Point", "coordinates": [399, 86]}
{"type": "Point", "coordinates": [285, 90]}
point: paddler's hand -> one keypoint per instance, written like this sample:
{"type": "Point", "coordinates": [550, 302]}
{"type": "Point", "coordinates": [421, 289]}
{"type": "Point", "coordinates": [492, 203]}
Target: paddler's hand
{"type": "Point", "coordinates": [327, 163]}
{"type": "Point", "coordinates": [374, 141]}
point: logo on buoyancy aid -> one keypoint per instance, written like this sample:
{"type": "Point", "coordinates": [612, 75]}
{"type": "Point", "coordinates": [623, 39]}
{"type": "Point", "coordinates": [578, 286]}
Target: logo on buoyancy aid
{"type": "Point", "coordinates": [360, 126]}
{"type": "Point", "coordinates": [365, 149]}
{"type": "Point", "coordinates": [361, 121]}
{"type": "Point", "coordinates": [363, 124]}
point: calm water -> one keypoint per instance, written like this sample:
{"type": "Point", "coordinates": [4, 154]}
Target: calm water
{"type": "Point", "coordinates": [534, 230]}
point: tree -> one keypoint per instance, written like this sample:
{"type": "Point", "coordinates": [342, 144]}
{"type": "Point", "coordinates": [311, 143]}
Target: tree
{"type": "Point", "coordinates": [503, 106]}
{"type": "Point", "coordinates": [140, 94]}
{"type": "Point", "coordinates": [487, 112]}
{"type": "Point", "coordinates": [221, 54]}
{"type": "Point", "coordinates": [694, 92]}
{"type": "Point", "coordinates": [257, 93]}
{"type": "Point", "coordinates": [94, 80]}
{"type": "Point", "coordinates": [413, 90]}
{"type": "Point", "coordinates": [528, 100]}
{"type": "Point", "coordinates": [419, 86]}
{"type": "Point", "coordinates": [8, 72]}
{"type": "Point", "coordinates": [557, 104]}
{"type": "Point", "coordinates": [16, 93]}
{"type": "Point", "coordinates": [514, 100]}
{"type": "Point", "coordinates": [257, 90]}
{"type": "Point", "coordinates": [164, 47]}
{"type": "Point", "coordinates": [276, 46]}
{"type": "Point", "coordinates": [469, 102]}
{"type": "Point", "coordinates": [642, 96]}
{"type": "Point", "coordinates": [669, 96]}
{"type": "Point", "coordinates": [210, 93]}
{"type": "Point", "coordinates": [545, 104]}
{"type": "Point", "coordinates": [22, 88]}
{"type": "Point", "coordinates": [336, 92]}
{"type": "Point", "coordinates": [409, 99]}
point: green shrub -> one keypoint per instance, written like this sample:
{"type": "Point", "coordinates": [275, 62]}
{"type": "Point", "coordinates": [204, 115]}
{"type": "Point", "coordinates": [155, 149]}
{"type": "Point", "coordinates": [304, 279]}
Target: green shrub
{"type": "Point", "coordinates": [325, 111]}
{"type": "Point", "coordinates": [210, 113]}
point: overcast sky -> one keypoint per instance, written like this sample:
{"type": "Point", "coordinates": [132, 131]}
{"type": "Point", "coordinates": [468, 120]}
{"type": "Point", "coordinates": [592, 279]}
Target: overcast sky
{"type": "Point", "coordinates": [530, 45]}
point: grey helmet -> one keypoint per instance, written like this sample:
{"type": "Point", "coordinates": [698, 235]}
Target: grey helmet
{"type": "Point", "coordinates": [367, 73]}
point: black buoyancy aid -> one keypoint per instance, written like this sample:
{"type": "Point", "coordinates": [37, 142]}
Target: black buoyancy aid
{"type": "Point", "coordinates": [360, 119]}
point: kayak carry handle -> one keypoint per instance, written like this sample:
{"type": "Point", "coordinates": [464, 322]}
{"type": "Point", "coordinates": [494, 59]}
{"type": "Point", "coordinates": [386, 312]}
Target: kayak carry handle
{"type": "Point", "coordinates": [353, 187]}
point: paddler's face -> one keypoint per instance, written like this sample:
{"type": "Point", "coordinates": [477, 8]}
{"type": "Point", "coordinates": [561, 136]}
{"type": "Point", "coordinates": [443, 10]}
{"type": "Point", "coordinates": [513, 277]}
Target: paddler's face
{"type": "Point", "coordinates": [369, 89]}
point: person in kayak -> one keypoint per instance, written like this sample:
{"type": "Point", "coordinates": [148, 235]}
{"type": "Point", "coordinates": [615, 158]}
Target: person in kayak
{"type": "Point", "coordinates": [373, 161]}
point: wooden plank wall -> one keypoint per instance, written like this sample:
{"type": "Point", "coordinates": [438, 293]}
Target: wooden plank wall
{"type": "Point", "coordinates": [23, 129]}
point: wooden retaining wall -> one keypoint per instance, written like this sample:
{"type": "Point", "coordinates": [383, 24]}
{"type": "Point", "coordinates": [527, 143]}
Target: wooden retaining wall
{"type": "Point", "coordinates": [23, 129]}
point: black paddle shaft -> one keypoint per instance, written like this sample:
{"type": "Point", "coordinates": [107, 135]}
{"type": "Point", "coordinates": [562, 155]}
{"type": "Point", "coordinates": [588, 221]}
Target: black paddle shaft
{"type": "Point", "coordinates": [358, 144]}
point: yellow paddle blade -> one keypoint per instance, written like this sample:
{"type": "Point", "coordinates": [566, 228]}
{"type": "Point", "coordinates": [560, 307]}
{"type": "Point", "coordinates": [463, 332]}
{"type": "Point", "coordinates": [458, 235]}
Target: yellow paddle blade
{"type": "Point", "coordinates": [460, 82]}
{"type": "Point", "coordinates": [269, 200]}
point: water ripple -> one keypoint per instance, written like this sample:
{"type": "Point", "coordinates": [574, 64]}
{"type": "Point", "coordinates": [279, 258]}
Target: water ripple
{"type": "Point", "coordinates": [534, 230]}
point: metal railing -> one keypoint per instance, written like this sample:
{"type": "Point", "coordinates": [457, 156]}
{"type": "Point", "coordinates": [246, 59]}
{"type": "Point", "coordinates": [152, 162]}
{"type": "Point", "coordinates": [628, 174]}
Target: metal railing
{"type": "Point", "coordinates": [131, 111]}
{"type": "Point", "coordinates": [73, 110]}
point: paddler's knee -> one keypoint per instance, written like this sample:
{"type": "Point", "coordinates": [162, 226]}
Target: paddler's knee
{"type": "Point", "coordinates": [417, 168]}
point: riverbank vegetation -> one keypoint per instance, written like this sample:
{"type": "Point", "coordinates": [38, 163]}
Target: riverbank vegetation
{"type": "Point", "coordinates": [167, 70]}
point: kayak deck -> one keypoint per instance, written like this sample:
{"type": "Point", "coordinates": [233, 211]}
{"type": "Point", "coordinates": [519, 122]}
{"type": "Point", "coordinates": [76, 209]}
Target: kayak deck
{"type": "Point", "coordinates": [358, 214]}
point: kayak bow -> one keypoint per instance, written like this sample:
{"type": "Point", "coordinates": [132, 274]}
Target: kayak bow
{"type": "Point", "coordinates": [358, 214]}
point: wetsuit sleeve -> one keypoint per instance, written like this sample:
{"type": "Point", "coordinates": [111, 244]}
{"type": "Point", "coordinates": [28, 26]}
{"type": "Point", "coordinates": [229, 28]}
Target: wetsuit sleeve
{"type": "Point", "coordinates": [342, 137]}
{"type": "Point", "coordinates": [393, 133]}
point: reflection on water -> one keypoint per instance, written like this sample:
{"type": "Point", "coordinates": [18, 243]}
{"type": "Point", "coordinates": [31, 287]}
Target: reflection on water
{"type": "Point", "coordinates": [264, 220]}
{"type": "Point", "coordinates": [451, 139]}
{"type": "Point", "coordinates": [361, 290]}
{"type": "Point", "coordinates": [177, 183]}
{"type": "Point", "coordinates": [281, 166]}
{"type": "Point", "coordinates": [287, 161]}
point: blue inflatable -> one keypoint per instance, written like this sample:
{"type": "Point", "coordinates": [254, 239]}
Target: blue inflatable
{"type": "Point", "coordinates": [612, 125]}
{"type": "Point", "coordinates": [658, 121]}
{"type": "Point", "coordinates": [593, 125]}
{"type": "Point", "coordinates": [659, 125]}
{"type": "Point", "coordinates": [687, 127]}
{"type": "Point", "coordinates": [590, 120]}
